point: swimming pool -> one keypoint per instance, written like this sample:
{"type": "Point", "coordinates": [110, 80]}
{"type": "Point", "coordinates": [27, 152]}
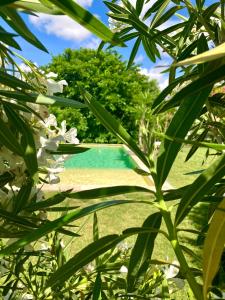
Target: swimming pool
{"type": "Point", "coordinates": [101, 157]}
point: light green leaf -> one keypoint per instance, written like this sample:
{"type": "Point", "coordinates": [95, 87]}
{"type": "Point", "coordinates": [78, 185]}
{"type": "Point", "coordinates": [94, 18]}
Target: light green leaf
{"type": "Point", "coordinates": [114, 126]}
{"type": "Point", "coordinates": [212, 54]}
{"type": "Point", "coordinates": [57, 101]}
{"type": "Point", "coordinates": [200, 187]}
{"type": "Point", "coordinates": [213, 247]}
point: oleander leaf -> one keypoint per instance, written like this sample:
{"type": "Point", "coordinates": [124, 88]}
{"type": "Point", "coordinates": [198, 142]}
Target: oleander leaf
{"type": "Point", "coordinates": [200, 187]}
{"type": "Point", "coordinates": [212, 54]}
{"type": "Point", "coordinates": [213, 247]}
{"type": "Point", "coordinates": [114, 126]}
{"type": "Point", "coordinates": [178, 128]}
{"type": "Point", "coordinates": [142, 251]}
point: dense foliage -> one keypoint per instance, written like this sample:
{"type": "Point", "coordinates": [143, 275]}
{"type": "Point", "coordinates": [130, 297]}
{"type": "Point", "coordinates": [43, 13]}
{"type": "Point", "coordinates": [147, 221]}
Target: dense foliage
{"type": "Point", "coordinates": [34, 264]}
{"type": "Point", "coordinates": [105, 76]}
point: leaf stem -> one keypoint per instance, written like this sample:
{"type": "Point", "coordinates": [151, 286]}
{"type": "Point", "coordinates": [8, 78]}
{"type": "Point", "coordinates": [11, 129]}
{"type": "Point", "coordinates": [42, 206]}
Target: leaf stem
{"type": "Point", "coordinates": [172, 232]}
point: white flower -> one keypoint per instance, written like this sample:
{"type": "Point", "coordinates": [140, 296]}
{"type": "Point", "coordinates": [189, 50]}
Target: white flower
{"type": "Point", "coordinates": [70, 136]}
{"type": "Point", "coordinates": [51, 75]}
{"type": "Point", "coordinates": [53, 179]}
{"type": "Point", "coordinates": [123, 269]}
{"type": "Point", "coordinates": [44, 247]}
{"type": "Point", "coordinates": [172, 270]}
{"type": "Point", "coordinates": [27, 297]}
{"type": "Point", "coordinates": [89, 268]}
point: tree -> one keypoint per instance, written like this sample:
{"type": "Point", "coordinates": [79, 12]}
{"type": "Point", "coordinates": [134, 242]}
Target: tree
{"type": "Point", "coordinates": [105, 76]}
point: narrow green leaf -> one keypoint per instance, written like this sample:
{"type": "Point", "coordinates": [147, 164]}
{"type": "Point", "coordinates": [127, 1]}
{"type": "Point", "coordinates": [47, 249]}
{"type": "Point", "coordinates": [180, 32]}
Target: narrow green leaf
{"type": "Point", "coordinates": [195, 147]}
{"type": "Point", "coordinates": [16, 220]}
{"type": "Point", "coordinates": [27, 140]}
{"type": "Point", "coordinates": [134, 52]}
{"type": "Point", "coordinates": [82, 258]}
{"type": "Point", "coordinates": [139, 6]}
{"type": "Point", "coordinates": [200, 187]}
{"type": "Point", "coordinates": [114, 126]}
{"type": "Point", "coordinates": [5, 178]}
{"type": "Point", "coordinates": [57, 224]}
{"type": "Point", "coordinates": [159, 12]}
{"type": "Point", "coordinates": [6, 2]}
{"type": "Point", "coordinates": [155, 7]}
{"type": "Point", "coordinates": [21, 199]}
{"type": "Point", "coordinates": [108, 192]}
{"type": "Point", "coordinates": [54, 200]}
{"type": "Point", "coordinates": [69, 149]}
{"type": "Point", "coordinates": [217, 147]}
{"type": "Point", "coordinates": [178, 128]}
{"type": "Point", "coordinates": [162, 96]}
{"type": "Point", "coordinates": [8, 139]}
{"type": "Point", "coordinates": [12, 81]}
{"type": "Point", "coordinates": [86, 19]}
{"type": "Point", "coordinates": [168, 14]}
{"type": "Point", "coordinates": [142, 251]}
{"type": "Point", "coordinates": [213, 247]}
{"type": "Point", "coordinates": [58, 101]}
{"type": "Point", "coordinates": [8, 38]}
{"type": "Point", "coordinates": [97, 288]}
{"type": "Point", "coordinates": [14, 20]}
{"type": "Point", "coordinates": [95, 227]}
{"type": "Point", "coordinates": [212, 54]}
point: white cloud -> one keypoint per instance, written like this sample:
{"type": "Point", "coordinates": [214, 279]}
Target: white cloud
{"type": "Point", "coordinates": [93, 43]}
{"type": "Point", "coordinates": [139, 59]}
{"type": "Point", "coordinates": [155, 73]}
{"type": "Point", "coordinates": [60, 26]}
{"type": "Point", "coordinates": [85, 2]}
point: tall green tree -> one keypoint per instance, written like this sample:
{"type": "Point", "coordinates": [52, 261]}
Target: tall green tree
{"type": "Point", "coordinates": [105, 76]}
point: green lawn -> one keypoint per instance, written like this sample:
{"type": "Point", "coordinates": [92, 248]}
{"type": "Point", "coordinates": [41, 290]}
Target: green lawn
{"type": "Point", "coordinates": [116, 219]}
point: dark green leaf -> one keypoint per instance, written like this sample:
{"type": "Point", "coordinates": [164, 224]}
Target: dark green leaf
{"type": "Point", "coordinates": [13, 82]}
{"type": "Point", "coordinates": [57, 224]}
{"type": "Point", "coordinates": [178, 128]}
{"type": "Point", "coordinates": [142, 251]}
{"type": "Point", "coordinates": [8, 139]}
{"type": "Point", "coordinates": [82, 258]}
{"type": "Point", "coordinates": [134, 52]}
{"type": "Point", "coordinates": [97, 288]}
{"type": "Point", "coordinates": [27, 140]}
{"type": "Point", "coordinates": [14, 20]}
{"type": "Point", "coordinates": [139, 6]}
{"type": "Point", "coordinates": [114, 126]}
{"type": "Point", "coordinates": [108, 192]}
{"type": "Point", "coordinates": [200, 187]}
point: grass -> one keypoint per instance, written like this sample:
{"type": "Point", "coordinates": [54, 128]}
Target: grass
{"type": "Point", "coordinates": [116, 219]}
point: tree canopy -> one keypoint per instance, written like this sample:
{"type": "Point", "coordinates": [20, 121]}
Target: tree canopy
{"type": "Point", "coordinates": [105, 76]}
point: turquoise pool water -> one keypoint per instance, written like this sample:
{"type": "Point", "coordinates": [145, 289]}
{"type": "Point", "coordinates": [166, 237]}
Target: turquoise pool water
{"type": "Point", "coordinates": [101, 158]}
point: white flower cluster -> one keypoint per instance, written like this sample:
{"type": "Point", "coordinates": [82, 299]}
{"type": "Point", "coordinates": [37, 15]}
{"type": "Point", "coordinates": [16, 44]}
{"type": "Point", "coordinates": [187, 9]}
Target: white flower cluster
{"type": "Point", "coordinates": [48, 136]}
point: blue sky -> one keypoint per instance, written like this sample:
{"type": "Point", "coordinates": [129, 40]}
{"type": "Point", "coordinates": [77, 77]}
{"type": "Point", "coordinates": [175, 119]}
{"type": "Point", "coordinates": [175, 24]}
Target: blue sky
{"type": "Point", "coordinates": [60, 32]}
